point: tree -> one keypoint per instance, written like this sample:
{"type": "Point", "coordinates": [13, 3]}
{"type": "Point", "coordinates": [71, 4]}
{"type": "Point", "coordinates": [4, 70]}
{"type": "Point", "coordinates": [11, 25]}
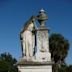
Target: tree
{"type": "Point", "coordinates": [69, 69]}
{"type": "Point", "coordinates": [59, 47]}
{"type": "Point", "coordinates": [7, 63]}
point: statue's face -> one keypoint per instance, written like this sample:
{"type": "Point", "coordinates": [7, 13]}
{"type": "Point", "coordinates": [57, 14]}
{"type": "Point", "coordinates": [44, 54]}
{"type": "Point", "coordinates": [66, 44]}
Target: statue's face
{"type": "Point", "coordinates": [31, 25]}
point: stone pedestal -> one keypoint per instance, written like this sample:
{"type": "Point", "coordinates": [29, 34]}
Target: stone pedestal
{"type": "Point", "coordinates": [42, 53]}
{"type": "Point", "coordinates": [35, 67]}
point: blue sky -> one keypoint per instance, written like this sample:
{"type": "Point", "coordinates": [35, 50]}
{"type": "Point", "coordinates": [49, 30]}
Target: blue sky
{"type": "Point", "coordinates": [14, 13]}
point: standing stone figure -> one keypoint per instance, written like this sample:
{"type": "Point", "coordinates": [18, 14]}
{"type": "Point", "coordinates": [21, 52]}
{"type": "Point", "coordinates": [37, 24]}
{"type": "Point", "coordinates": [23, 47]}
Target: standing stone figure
{"type": "Point", "coordinates": [28, 41]}
{"type": "Point", "coordinates": [35, 45]}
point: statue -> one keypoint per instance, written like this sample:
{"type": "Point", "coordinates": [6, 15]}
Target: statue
{"type": "Point", "coordinates": [35, 43]}
{"type": "Point", "coordinates": [28, 41]}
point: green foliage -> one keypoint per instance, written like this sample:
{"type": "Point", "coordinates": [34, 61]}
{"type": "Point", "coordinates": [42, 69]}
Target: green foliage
{"type": "Point", "coordinates": [7, 63]}
{"type": "Point", "coordinates": [59, 47]}
{"type": "Point", "coordinates": [69, 68]}
{"type": "Point", "coordinates": [65, 68]}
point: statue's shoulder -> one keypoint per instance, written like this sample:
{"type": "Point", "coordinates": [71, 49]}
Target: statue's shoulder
{"type": "Point", "coordinates": [30, 22]}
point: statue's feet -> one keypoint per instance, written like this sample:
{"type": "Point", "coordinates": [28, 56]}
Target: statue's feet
{"type": "Point", "coordinates": [29, 58]}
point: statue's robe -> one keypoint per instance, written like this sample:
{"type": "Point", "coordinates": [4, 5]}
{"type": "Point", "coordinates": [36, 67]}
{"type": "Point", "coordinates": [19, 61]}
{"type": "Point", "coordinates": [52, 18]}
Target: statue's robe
{"type": "Point", "coordinates": [28, 42]}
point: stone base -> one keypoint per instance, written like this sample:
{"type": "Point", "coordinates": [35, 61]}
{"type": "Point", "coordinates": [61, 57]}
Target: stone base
{"type": "Point", "coordinates": [40, 63]}
{"type": "Point", "coordinates": [35, 67]}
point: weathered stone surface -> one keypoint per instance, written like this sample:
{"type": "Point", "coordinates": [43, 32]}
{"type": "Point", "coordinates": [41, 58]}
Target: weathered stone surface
{"type": "Point", "coordinates": [37, 57]}
{"type": "Point", "coordinates": [30, 66]}
{"type": "Point", "coordinates": [40, 68]}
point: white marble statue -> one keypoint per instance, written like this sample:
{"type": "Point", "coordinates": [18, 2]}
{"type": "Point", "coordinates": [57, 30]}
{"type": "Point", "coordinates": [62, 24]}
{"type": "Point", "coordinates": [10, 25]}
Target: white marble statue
{"type": "Point", "coordinates": [28, 42]}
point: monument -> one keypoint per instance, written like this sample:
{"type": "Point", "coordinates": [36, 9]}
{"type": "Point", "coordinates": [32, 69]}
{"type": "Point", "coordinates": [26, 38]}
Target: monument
{"type": "Point", "coordinates": [35, 46]}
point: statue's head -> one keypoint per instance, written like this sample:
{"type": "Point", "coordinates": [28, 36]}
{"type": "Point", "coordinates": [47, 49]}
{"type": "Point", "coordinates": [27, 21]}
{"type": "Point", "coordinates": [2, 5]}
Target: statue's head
{"type": "Point", "coordinates": [30, 26]}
